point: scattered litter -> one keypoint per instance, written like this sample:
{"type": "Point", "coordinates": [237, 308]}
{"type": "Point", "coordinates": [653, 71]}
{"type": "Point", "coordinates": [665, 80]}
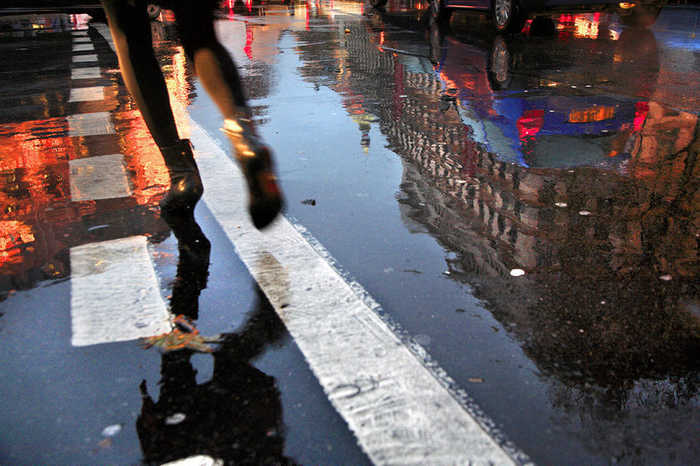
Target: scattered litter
{"type": "Point", "coordinates": [585, 213]}
{"type": "Point", "coordinates": [97, 227]}
{"type": "Point", "coordinates": [417, 272]}
{"type": "Point", "coordinates": [476, 379]}
{"type": "Point", "coordinates": [459, 309]}
{"type": "Point", "coordinates": [309, 202]}
{"type": "Point", "coordinates": [111, 431]}
{"type": "Point", "coordinates": [517, 273]}
{"type": "Point", "coordinates": [105, 443]}
{"type": "Point", "coordinates": [388, 270]}
{"type": "Point", "coordinates": [561, 204]}
{"type": "Point", "coordinates": [447, 272]}
{"type": "Point", "coordinates": [666, 278]}
{"type": "Point", "coordinates": [347, 31]}
{"type": "Point", "coordinates": [175, 419]}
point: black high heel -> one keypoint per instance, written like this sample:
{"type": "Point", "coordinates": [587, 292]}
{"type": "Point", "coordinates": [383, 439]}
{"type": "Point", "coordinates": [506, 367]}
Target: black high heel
{"type": "Point", "coordinates": [185, 183]}
{"type": "Point", "coordinates": [255, 159]}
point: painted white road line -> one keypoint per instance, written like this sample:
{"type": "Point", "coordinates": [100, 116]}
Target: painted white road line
{"type": "Point", "coordinates": [90, 124]}
{"type": "Point", "coordinates": [81, 39]}
{"type": "Point", "coordinates": [115, 294]}
{"type": "Point", "coordinates": [85, 73]}
{"type": "Point", "coordinates": [84, 58]}
{"type": "Point", "coordinates": [83, 47]}
{"type": "Point", "coordinates": [400, 411]}
{"type": "Point", "coordinates": [87, 94]}
{"type": "Point", "coordinates": [100, 177]}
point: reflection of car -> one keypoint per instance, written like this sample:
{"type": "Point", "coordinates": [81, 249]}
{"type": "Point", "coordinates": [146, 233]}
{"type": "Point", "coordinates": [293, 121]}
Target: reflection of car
{"type": "Point", "coordinates": [510, 15]}
{"type": "Point", "coordinates": [540, 109]}
{"type": "Point", "coordinates": [539, 119]}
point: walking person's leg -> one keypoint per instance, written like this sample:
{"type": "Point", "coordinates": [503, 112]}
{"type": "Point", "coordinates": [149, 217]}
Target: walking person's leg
{"type": "Point", "coordinates": [219, 76]}
{"type": "Point", "coordinates": [131, 32]}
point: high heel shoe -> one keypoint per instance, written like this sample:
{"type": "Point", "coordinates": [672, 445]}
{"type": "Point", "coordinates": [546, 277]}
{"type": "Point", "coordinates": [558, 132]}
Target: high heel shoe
{"type": "Point", "coordinates": [185, 183]}
{"type": "Point", "coordinates": [255, 160]}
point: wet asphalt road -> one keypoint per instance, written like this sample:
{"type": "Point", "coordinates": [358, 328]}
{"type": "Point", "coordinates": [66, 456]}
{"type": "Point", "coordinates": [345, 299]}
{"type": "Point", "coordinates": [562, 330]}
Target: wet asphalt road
{"type": "Point", "coordinates": [522, 207]}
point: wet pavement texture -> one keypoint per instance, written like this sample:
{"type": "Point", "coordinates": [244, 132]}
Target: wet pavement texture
{"type": "Point", "coordinates": [524, 207]}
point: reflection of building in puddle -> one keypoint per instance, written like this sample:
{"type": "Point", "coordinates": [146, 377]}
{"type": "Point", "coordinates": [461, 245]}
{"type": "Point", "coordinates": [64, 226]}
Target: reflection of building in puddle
{"type": "Point", "coordinates": [595, 312]}
{"type": "Point", "coordinates": [606, 305]}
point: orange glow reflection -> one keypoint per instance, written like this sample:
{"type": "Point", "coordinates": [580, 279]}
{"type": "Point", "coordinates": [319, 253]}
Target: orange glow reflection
{"type": "Point", "coordinates": [39, 219]}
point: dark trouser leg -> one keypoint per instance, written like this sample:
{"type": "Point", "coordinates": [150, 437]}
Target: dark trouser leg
{"type": "Point", "coordinates": [131, 32]}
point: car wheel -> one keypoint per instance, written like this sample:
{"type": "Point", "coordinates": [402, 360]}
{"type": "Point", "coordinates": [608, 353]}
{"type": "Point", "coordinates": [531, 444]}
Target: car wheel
{"type": "Point", "coordinates": [153, 11]}
{"type": "Point", "coordinates": [507, 16]}
{"type": "Point", "coordinates": [499, 65]}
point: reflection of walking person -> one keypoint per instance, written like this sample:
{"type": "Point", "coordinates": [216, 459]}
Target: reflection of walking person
{"type": "Point", "coordinates": [236, 416]}
{"type": "Point", "coordinates": [131, 31]}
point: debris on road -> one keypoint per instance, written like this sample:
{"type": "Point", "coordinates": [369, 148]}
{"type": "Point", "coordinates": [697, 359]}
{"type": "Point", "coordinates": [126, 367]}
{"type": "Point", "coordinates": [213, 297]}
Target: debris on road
{"type": "Point", "coordinates": [111, 431]}
{"type": "Point", "coordinates": [183, 336]}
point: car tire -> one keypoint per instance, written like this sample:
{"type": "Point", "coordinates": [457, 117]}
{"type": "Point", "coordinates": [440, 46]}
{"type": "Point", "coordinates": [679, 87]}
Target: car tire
{"type": "Point", "coordinates": [507, 16]}
{"type": "Point", "coordinates": [153, 11]}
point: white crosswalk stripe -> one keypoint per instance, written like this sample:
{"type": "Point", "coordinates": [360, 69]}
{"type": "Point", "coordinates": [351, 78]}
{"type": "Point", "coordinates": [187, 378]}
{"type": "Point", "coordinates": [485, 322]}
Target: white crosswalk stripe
{"type": "Point", "coordinates": [100, 177]}
{"type": "Point", "coordinates": [90, 124]}
{"type": "Point", "coordinates": [84, 58]}
{"type": "Point", "coordinates": [83, 47]}
{"type": "Point", "coordinates": [87, 94]}
{"type": "Point", "coordinates": [115, 295]}
{"type": "Point", "coordinates": [85, 73]}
